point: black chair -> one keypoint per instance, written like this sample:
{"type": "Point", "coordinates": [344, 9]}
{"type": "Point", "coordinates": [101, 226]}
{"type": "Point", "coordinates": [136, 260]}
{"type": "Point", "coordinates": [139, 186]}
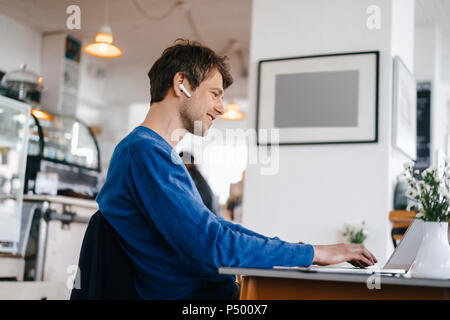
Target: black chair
{"type": "Point", "coordinates": [105, 270]}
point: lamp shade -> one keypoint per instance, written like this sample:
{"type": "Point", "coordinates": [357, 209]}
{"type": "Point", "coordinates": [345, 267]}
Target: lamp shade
{"type": "Point", "coordinates": [103, 47]}
{"type": "Point", "coordinates": [41, 114]}
{"type": "Point", "coordinates": [232, 112]}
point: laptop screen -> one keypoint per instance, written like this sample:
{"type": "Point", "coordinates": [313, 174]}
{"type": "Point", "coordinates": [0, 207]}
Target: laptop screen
{"type": "Point", "coordinates": [406, 251]}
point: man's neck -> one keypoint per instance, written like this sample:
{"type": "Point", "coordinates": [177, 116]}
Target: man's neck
{"type": "Point", "coordinates": [164, 119]}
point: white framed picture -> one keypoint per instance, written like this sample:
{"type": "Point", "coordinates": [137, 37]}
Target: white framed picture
{"type": "Point", "coordinates": [319, 99]}
{"type": "Point", "coordinates": [404, 110]}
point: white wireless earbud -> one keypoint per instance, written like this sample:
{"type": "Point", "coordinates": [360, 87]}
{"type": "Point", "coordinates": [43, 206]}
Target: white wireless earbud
{"type": "Point", "coordinates": [182, 88]}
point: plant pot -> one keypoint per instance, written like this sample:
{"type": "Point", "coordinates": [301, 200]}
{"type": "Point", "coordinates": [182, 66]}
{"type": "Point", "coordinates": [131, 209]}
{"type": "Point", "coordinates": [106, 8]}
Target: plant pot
{"type": "Point", "coordinates": [433, 258]}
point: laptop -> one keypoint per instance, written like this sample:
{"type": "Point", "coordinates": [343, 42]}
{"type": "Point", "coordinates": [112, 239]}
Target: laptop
{"type": "Point", "coordinates": [399, 262]}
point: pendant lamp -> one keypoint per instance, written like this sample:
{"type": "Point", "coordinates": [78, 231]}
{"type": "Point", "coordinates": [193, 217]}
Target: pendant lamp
{"type": "Point", "coordinates": [41, 114]}
{"type": "Point", "coordinates": [232, 112]}
{"type": "Point", "coordinates": [103, 47]}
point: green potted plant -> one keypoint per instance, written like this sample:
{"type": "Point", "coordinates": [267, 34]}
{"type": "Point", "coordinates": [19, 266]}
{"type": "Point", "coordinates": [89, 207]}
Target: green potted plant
{"type": "Point", "coordinates": [429, 193]}
{"type": "Point", "coordinates": [356, 234]}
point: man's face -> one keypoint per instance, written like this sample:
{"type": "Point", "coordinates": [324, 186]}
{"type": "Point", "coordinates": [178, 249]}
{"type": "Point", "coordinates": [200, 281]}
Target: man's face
{"type": "Point", "coordinates": [205, 104]}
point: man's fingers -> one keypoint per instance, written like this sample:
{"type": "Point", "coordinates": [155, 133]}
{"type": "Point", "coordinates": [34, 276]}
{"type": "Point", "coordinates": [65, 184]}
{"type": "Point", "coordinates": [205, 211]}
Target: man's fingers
{"type": "Point", "coordinates": [373, 257]}
{"type": "Point", "coordinates": [356, 263]}
{"type": "Point", "coordinates": [359, 263]}
{"type": "Point", "coordinates": [369, 256]}
{"type": "Point", "coordinates": [366, 262]}
{"type": "Point", "coordinates": [360, 258]}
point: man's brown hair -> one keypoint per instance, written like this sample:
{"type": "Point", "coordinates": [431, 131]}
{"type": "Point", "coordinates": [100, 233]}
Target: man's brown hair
{"type": "Point", "coordinates": [193, 60]}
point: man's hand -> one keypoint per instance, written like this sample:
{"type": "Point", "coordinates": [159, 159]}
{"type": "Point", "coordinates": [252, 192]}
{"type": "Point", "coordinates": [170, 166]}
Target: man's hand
{"type": "Point", "coordinates": [355, 254]}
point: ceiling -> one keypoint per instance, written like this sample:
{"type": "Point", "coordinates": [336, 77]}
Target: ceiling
{"type": "Point", "coordinates": [143, 39]}
{"type": "Point", "coordinates": [433, 11]}
{"type": "Point", "coordinates": [217, 22]}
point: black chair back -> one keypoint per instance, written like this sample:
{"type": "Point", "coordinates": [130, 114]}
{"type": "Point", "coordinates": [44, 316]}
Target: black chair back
{"type": "Point", "coordinates": [104, 270]}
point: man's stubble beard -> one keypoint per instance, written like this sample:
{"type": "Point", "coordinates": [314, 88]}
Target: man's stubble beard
{"type": "Point", "coordinates": [189, 121]}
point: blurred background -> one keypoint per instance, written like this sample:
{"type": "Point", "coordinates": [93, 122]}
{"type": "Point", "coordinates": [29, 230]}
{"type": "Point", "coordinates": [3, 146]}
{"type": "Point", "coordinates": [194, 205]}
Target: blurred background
{"type": "Point", "coordinates": [64, 107]}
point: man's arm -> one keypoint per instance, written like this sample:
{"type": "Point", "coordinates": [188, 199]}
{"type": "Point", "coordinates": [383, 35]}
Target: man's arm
{"type": "Point", "coordinates": [240, 228]}
{"type": "Point", "coordinates": [185, 222]}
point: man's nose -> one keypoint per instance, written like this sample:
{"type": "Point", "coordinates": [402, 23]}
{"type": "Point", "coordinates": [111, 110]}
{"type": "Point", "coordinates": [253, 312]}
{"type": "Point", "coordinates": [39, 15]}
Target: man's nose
{"type": "Point", "coordinates": [219, 108]}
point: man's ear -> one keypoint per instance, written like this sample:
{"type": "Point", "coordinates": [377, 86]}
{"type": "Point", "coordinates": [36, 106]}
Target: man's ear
{"type": "Point", "coordinates": [178, 79]}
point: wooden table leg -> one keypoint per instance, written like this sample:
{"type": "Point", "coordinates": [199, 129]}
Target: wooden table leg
{"type": "Point", "coordinates": [244, 288]}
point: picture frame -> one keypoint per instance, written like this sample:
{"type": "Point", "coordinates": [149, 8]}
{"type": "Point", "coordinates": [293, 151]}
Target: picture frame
{"type": "Point", "coordinates": [404, 107]}
{"type": "Point", "coordinates": [73, 49]}
{"type": "Point", "coordinates": [318, 99]}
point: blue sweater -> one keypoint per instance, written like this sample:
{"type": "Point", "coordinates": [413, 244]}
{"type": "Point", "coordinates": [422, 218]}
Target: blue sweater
{"type": "Point", "coordinates": [174, 241]}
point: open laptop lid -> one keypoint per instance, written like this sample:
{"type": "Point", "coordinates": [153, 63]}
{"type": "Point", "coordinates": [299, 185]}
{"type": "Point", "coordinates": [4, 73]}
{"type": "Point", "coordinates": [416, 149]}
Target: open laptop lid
{"type": "Point", "coordinates": [406, 251]}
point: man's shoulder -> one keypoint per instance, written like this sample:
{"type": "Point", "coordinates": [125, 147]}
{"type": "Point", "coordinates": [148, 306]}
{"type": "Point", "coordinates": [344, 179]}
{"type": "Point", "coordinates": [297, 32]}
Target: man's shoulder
{"type": "Point", "coordinates": [145, 143]}
{"type": "Point", "coordinates": [143, 138]}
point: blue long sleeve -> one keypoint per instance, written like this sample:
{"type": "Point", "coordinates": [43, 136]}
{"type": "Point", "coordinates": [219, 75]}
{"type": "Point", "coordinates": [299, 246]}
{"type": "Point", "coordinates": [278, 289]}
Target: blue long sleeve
{"type": "Point", "coordinates": [190, 227]}
{"type": "Point", "coordinates": [240, 228]}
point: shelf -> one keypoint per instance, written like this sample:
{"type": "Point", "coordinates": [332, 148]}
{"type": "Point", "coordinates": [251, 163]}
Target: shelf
{"type": "Point", "coordinates": [8, 197]}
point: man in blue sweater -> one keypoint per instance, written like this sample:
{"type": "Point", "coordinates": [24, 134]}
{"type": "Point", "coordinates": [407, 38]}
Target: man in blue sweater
{"type": "Point", "coordinates": [175, 243]}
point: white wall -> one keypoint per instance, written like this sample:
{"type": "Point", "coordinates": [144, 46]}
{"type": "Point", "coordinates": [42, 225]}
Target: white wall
{"type": "Point", "coordinates": [319, 188]}
{"type": "Point", "coordinates": [19, 44]}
